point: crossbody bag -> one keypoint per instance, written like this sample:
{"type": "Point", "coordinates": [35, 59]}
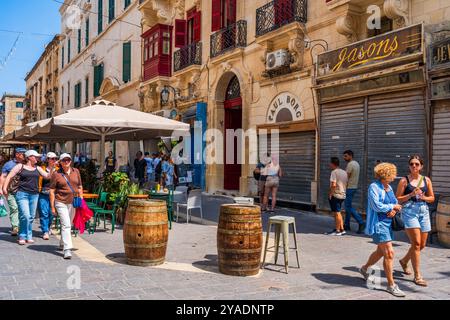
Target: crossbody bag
{"type": "Point", "coordinates": [77, 201]}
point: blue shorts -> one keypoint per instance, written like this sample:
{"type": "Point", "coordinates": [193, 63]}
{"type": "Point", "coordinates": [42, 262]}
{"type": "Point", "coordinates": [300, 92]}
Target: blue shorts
{"type": "Point", "coordinates": [383, 230]}
{"type": "Point", "coordinates": [416, 215]}
{"type": "Point", "coordinates": [336, 204]}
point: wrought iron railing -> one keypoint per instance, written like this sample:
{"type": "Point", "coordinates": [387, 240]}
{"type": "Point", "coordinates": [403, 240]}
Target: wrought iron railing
{"type": "Point", "coordinates": [278, 13]}
{"type": "Point", "coordinates": [187, 56]}
{"type": "Point", "coordinates": [233, 36]}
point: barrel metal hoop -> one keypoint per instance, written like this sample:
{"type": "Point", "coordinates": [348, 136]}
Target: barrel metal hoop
{"type": "Point", "coordinates": [240, 251]}
{"type": "Point", "coordinates": [239, 232]}
{"type": "Point", "coordinates": [239, 221]}
{"type": "Point", "coordinates": [146, 246]}
{"type": "Point", "coordinates": [130, 223]}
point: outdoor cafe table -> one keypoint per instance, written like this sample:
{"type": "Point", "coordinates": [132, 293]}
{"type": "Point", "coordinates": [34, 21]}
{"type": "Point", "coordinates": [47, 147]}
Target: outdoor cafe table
{"type": "Point", "coordinates": [90, 196]}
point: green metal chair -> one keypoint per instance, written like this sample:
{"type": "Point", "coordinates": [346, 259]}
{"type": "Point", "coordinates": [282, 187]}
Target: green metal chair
{"type": "Point", "coordinates": [101, 202]}
{"type": "Point", "coordinates": [104, 213]}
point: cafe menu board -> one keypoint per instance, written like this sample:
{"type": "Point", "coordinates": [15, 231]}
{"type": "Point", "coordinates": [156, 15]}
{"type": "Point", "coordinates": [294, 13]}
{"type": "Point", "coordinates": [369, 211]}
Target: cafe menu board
{"type": "Point", "coordinates": [440, 53]}
{"type": "Point", "coordinates": [397, 44]}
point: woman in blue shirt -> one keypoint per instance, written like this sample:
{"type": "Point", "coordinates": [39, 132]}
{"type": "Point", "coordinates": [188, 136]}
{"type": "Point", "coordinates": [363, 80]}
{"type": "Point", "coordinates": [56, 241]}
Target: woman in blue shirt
{"type": "Point", "coordinates": [381, 208]}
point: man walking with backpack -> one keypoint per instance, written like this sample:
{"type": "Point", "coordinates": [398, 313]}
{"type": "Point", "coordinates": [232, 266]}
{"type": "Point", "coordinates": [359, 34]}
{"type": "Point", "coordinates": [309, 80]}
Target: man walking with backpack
{"type": "Point", "coordinates": [13, 186]}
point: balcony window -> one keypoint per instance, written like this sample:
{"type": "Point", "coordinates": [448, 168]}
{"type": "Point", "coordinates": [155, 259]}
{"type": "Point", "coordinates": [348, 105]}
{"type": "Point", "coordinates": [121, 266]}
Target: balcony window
{"type": "Point", "coordinates": [228, 38]}
{"type": "Point", "coordinates": [278, 13]}
{"type": "Point", "coordinates": [157, 51]}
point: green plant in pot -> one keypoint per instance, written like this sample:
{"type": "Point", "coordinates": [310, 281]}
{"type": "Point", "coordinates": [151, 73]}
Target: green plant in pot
{"type": "Point", "coordinates": [116, 184]}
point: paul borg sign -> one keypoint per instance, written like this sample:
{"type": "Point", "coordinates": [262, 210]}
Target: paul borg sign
{"type": "Point", "coordinates": [285, 107]}
{"type": "Point", "coordinates": [389, 46]}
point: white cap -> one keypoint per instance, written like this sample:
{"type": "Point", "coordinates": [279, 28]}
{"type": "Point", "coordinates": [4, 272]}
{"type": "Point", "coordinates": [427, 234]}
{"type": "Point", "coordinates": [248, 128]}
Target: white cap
{"type": "Point", "coordinates": [51, 155]}
{"type": "Point", "coordinates": [31, 153]}
{"type": "Point", "coordinates": [65, 155]}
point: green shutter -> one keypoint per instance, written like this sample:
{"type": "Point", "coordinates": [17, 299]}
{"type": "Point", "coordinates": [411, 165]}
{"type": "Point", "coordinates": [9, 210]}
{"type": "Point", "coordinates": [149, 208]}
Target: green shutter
{"type": "Point", "coordinates": [86, 88]}
{"type": "Point", "coordinates": [68, 51]}
{"type": "Point", "coordinates": [77, 95]}
{"type": "Point", "coordinates": [98, 79]}
{"type": "Point", "coordinates": [126, 62]}
{"type": "Point", "coordinates": [79, 40]}
{"type": "Point", "coordinates": [87, 32]}
{"type": "Point", "coordinates": [62, 57]}
{"type": "Point", "coordinates": [100, 16]}
{"type": "Point", "coordinates": [127, 3]}
{"type": "Point", "coordinates": [112, 10]}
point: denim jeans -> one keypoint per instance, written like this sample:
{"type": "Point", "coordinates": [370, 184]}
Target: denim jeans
{"type": "Point", "coordinates": [349, 210]}
{"type": "Point", "coordinates": [27, 203]}
{"type": "Point", "coordinates": [45, 213]}
{"type": "Point", "coordinates": [66, 213]}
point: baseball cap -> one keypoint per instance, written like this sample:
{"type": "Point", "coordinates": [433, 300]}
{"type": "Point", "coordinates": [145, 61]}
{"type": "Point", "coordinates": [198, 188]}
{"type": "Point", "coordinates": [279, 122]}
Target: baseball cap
{"type": "Point", "coordinates": [31, 153]}
{"type": "Point", "coordinates": [21, 150]}
{"type": "Point", "coordinates": [65, 155]}
{"type": "Point", "coordinates": [51, 155]}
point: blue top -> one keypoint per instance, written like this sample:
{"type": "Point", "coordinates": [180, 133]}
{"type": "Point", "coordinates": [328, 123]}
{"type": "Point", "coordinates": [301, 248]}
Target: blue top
{"type": "Point", "coordinates": [9, 166]}
{"type": "Point", "coordinates": [150, 168]}
{"type": "Point", "coordinates": [379, 202]}
{"type": "Point", "coordinates": [169, 174]}
{"type": "Point", "coordinates": [156, 161]}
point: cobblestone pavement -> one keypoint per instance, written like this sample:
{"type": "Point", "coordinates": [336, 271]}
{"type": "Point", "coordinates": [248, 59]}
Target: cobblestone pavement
{"type": "Point", "coordinates": [328, 267]}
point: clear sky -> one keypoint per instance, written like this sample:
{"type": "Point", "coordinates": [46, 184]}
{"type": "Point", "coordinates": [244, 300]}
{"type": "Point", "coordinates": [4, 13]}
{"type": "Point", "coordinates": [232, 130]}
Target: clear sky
{"type": "Point", "coordinates": [38, 20]}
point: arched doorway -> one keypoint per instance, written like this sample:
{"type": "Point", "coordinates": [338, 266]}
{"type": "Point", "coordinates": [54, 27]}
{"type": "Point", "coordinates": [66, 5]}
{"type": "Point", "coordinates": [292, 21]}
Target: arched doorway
{"type": "Point", "coordinates": [233, 120]}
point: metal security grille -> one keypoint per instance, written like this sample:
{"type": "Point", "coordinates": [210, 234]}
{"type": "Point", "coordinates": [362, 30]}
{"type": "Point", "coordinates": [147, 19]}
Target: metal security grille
{"type": "Point", "coordinates": [382, 128]}
{"type": "Point", "coordinates": [441, 149]}
{"type": "Point", "coordinates": [341, 128]}
{"type": "Point", "coordinates": [396, 130]}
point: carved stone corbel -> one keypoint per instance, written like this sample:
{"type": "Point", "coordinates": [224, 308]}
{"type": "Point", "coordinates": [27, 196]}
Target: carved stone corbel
{"type": "Point", "coordinates": [296, 47]}
{"type": "Point", "coordinates": [398, 11]}
{"type": "Point", "coordinates": [347, 26]}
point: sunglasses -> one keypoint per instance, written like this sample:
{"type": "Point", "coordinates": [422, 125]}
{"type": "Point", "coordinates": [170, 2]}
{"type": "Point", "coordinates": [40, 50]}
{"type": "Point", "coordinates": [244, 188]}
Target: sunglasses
{"type": "Point", "coordinates": [414, 164]}
{"type": "Point", "coordinates": [66, 160]}
{"type": "Point", "coordinates": [53, 159]}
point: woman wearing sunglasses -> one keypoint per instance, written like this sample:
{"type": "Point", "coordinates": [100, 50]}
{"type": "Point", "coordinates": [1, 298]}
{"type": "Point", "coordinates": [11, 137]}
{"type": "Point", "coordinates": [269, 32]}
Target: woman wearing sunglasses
{"type": "Point", "coordinates": [65, 184]}
{"type": "Point", "coordinates": [414, 192]}
{"type": "Point", "coordinates": [45, 213]}
{"type": "Point", "coordinates": [28, 194]}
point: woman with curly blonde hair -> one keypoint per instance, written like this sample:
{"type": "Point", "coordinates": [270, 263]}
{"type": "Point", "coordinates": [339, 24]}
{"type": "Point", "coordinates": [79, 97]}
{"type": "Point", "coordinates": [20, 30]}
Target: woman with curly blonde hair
{"type": "Point", "coordinates": [381, 208]}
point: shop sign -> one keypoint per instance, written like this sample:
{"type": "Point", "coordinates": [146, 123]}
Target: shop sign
{"type": "Point", "coordinates": [386, 47]}
{"type": "Point", "coordinates": [440, 53]}
{"type": "Point", "coordinates": [440, 89]}
{"type": "Point", "coordinates": [285, 107]}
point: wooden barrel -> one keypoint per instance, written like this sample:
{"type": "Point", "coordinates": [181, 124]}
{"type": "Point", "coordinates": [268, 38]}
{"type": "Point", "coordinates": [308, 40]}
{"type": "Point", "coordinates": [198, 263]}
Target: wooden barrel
{"type": "Point", "coordinates": [146, 232]}
{"type": "Point", "coordinates": [443, 221]}
{"type": "Point", "coordinates": [239, 240]}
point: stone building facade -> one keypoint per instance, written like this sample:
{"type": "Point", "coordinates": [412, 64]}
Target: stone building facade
{"type": "Point", "coordinates": [42, 83]}
{"type": "Point", "coordinates": [11, 113]}
{"type": "Point", "coordinates": [100, 54]}
{"type": "Point", "coordinates": [243, 63]}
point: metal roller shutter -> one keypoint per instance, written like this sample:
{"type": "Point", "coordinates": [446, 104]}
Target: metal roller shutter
{"type": "Point", "coordinates": [297, 159]}
{"type": "Point", "coordinates": [441, 150]}
{"type": "Point", "coordinates": [396, 130]}
{"type": "Point", "coordinates": [341, 128]}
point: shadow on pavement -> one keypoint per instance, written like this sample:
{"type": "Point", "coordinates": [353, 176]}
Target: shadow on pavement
{"type": "Point", "coordinates": [117, 258]}
{"type": "Point", "coordinates": [47, 249]}
{"type": "Point", "coordinates": [340, 279]}
{"type": "Point", "coordinates": [211, 264]}
{"type": "Point", "coordinates": [5, 235]}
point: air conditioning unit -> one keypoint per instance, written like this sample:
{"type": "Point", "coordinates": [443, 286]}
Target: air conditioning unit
{"type": "Point", "coordinates": [277, 59]}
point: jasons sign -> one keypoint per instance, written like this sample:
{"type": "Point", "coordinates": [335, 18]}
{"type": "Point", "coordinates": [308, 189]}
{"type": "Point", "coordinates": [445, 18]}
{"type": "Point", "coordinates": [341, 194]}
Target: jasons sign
{"type": "Point", "coordinates": [389, 46]}
{"type": "Point", "coordinates": [285, 107]}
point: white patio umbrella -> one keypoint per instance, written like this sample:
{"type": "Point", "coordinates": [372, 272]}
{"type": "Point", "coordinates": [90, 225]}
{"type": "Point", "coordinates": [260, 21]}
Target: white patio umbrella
{"type": "Point", "coordinates": [102, 120]}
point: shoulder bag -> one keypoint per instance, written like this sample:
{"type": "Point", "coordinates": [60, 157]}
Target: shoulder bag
{"type": "Point", "coordinates": [77, 201]}
{"type": "Point", "coordinates": [397, 222]}
{"type": "Point", "coordinates": [14, 183]}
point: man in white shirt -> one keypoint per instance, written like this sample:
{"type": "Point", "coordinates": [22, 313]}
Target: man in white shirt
{"type": "Point", "coordinates": [353, 171]}
{"type": "Point", "coordinates": [336, 195]}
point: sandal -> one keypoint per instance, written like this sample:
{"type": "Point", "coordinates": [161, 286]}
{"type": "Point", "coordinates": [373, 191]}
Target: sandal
{"type": "Point", "coordinates": [420, 282]}
{"type": "Point", "coordinates": [406, 269]}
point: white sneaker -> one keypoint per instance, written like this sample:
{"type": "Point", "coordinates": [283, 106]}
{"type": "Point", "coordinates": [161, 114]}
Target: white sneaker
{"type": "Point", "coordinates": [67, 254]}
{"type": "Point", "coordinates": [395, 291]}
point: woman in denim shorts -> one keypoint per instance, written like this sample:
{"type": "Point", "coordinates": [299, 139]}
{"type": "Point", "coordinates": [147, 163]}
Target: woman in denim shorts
{"type": "Point", "coordinates": [382, 206]}
{"type": "Point", "coordinates": [415, 192]}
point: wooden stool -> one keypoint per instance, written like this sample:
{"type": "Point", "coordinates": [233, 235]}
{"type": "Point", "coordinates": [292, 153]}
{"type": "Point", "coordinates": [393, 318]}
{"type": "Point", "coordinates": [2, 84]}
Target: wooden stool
{"type": "Point", "coordinates": [281, 224]}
